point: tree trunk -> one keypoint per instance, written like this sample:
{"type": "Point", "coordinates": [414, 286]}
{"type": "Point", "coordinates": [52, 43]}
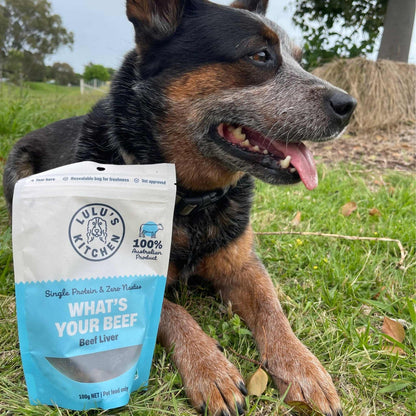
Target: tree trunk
{"type": "Point", "coordinates": [398, 27]}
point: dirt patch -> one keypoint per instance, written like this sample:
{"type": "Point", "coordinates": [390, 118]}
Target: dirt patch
{"type": "Point", "coordinates": [378, 150]}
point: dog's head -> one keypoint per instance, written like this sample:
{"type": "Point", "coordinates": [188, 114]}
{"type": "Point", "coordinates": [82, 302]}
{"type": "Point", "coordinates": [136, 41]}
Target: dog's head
{"type": "Point", "coordinates": [235, 96]}
{"type": "Point", "coordinates": [96, 228]}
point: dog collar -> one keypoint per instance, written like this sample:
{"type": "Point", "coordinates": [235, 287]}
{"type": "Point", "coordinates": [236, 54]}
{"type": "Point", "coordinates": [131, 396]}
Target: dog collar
{"type": "Point", "coordinates": [188, 202]}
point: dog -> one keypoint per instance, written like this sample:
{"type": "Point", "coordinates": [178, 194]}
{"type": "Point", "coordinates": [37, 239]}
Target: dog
{"type": "Point", "coordinates": [218, 91]}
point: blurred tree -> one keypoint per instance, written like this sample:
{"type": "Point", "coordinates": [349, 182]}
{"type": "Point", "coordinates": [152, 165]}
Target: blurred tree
{"type": "Point", "coordinates": [350, 28]}
{"type": "Point", "coordinates": [33, 67]}
{"type": "Point", "coordinates": [21, 66]}
{"type": "Point", "coordinates": [93, 71]}
{"type": "Point", "coordinates": [29, 27]}
{"type": "Point", "coordinates": [111, 72]}
{"type": "Point", "coordinates": [63, 74]}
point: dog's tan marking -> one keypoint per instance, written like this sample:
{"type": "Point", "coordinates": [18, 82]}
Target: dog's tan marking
{"type": "Point", "coordinates": [153, 19]}
{"type": "Point", "coordinates": [270, 35]}
{"type": "Point", "coordinates": [244, 5]}
{"type": "Point", "coordinates": [238, 5]}
{"type": "Point", "coordinates": [177, 147]}
{"type": "Point", "coordinates": [206, 80]}
{"type": "Point", "coordinates": [241, 279]}
{"type": "Point", "coordinates": [180, 237]}
{"type": "Point", "coordinates": [214, 78]}
{"type": "Point", "coordinates": [208, 377]}
{"type": "Point", "coordinates": [229, 259]}
{"type": "Point", "coordinates": [177, 142]}
{"type": "Point", "coordinates": [173, 274]}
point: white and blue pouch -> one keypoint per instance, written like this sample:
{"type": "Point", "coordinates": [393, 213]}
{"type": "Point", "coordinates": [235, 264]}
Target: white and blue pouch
{"type": "Point", "coordinates": [91, 248]}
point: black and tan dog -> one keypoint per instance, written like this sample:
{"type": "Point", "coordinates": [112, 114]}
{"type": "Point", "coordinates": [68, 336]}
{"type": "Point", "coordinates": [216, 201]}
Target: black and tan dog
{"type": "Point", "coordinates": [219, 92]}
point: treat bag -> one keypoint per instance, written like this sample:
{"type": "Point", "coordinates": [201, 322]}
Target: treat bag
{"type": "Point", "coordinates": [91, 246]}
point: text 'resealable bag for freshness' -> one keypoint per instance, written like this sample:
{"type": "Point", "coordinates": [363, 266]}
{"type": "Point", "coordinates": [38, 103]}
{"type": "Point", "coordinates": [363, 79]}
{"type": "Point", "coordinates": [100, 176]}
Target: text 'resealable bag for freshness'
{"type": "Point", "coordinates": [91, 248]}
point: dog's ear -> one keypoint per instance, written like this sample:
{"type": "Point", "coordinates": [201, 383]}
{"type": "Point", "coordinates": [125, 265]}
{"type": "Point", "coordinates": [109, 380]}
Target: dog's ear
{"type": "Point", "coordinates": [154, 20]}
{"type": "Point", "coordinates": [257, 6]}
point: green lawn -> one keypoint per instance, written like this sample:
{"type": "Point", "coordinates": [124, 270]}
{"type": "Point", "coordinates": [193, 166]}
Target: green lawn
{"type": "Point", "coordinates": [335, 292]}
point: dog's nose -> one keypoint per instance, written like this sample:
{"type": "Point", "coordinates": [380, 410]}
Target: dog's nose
{"type": "Point", "coordinates": [342, 106]}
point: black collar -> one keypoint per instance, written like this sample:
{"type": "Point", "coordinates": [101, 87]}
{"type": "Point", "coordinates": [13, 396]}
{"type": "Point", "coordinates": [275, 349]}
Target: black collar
{"type": "Point", "coordinates": [188, 202]}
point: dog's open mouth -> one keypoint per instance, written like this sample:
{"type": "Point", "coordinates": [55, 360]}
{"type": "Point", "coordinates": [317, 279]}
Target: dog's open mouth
{"type": "Point", "coordinates": [292, 158]}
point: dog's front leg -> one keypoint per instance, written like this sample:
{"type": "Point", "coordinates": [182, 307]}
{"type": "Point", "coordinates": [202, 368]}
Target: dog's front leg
{"type": "Point", "coordinates": [211, 381]}
{"type": "Point", "coordinates": [241, 279]}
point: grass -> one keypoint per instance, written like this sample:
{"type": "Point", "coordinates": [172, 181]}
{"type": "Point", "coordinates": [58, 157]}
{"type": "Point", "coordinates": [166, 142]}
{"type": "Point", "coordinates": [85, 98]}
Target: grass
{"type": "Point", "coordinates": [335, 292]}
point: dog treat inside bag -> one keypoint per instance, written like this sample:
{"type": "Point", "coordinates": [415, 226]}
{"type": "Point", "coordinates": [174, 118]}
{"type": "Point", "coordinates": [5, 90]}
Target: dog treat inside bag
{"type": "Point", "coordinates": [91, 249]}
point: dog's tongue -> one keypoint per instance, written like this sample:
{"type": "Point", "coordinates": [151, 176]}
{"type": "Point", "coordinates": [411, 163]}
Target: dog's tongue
{"type": "Point", "coordinates": [302, 160]}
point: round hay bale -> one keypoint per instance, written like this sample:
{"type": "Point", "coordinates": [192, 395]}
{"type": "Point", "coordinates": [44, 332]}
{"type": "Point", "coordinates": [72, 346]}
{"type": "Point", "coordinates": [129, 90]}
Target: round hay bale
{"type": "Point", "coordinates": [385, 91]}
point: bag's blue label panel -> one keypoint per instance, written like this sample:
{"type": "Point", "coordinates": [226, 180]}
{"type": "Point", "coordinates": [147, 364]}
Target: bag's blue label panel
{"type": "Point", "coordinates": [88, 343]}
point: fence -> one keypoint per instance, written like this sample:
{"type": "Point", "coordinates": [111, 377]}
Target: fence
{"type": "Point", "coordinates": [94, 85]}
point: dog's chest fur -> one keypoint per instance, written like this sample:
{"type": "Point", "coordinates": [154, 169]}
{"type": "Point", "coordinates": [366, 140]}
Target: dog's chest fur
{"type": "Point", "coordinates": [208, 230]}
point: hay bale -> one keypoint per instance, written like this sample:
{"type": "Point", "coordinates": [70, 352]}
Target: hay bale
{"type": "Point", "coordinates": [385, 91]}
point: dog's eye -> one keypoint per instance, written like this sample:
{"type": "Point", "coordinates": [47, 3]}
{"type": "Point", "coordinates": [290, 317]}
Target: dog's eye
{"type": "Point", "coordinates": [261, 57]}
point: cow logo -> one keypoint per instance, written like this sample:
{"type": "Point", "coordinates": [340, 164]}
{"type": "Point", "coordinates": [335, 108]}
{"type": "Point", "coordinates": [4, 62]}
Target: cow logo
{"type": "Point", "coordinates": [149, 229]}
{"type": "Point", "coordinates": [148, 246]}
{"type": "Point", "coordinates": [96, 231]}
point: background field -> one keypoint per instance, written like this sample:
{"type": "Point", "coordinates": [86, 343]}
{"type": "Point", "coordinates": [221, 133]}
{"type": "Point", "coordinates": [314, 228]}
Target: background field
{"type": "Point", "coordinates": [335, 292]}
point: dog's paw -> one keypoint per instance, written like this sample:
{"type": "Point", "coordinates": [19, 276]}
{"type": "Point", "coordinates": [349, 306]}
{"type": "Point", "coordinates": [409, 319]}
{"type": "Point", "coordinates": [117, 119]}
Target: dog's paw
{"type": "Point", "coordinates": [307, 385]}
{"type": "Point", "coordinates": [213, 385]}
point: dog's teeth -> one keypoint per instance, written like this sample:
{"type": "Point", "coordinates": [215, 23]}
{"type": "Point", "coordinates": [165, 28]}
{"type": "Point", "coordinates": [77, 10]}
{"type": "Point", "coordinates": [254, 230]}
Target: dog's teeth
{"type": "Point", "coordinates": [239, 135]}
{"type": "Point", "coordinates": [265, 152]}
{"type": "Point", "coordinates": [256, 149]}
{"type": "Point", "coordinates": [284, 164]}
{"type": "Point", "coordinates": [245, 143]}
{"type": "Point", "coordinates": [236, 132]}
{"type": "Point", "coordinates": [292, 170]}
